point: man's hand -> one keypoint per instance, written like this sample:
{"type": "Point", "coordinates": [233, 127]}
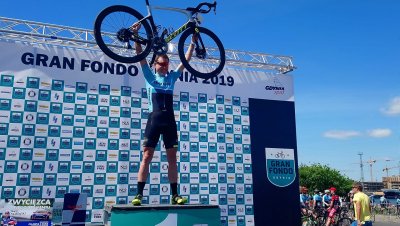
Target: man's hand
{"type": "Point", "coordinates": [194, 38]}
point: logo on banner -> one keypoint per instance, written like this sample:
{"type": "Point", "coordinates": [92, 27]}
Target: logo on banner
{"type": "Point", "coordinates": [280, 166]}
{"type": "Point", "coordinates": [276, 87]}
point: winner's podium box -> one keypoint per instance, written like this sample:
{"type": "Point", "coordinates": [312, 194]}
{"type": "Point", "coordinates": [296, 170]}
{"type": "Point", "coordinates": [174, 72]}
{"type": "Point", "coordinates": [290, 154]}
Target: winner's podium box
{"type": "Point", "coordinates": [162, 215]}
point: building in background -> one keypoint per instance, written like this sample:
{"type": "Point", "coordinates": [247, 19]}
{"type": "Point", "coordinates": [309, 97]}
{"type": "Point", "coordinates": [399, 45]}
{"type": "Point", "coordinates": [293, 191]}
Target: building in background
{"type": "Point", "coordinates": [392, 182]}
{"type": "Point", "coordinates": [373, 186]}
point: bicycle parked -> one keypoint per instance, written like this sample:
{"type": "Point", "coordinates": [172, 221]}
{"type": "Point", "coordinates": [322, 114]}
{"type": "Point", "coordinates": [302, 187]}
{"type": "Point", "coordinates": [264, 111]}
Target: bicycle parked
{"type": "Point", "coordinates": [317, 217]}
{"type": "Point", "coordinates": [114, 35]}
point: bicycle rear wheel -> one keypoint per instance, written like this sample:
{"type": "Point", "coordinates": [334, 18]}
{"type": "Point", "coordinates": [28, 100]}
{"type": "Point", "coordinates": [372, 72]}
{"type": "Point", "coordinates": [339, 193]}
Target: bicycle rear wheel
{"type": "Point", "coordinates": [344, 222]}
{"type": "Point", "coordinates": [208, 58]}
{"type": "Point", "coordinates": [116, 40]}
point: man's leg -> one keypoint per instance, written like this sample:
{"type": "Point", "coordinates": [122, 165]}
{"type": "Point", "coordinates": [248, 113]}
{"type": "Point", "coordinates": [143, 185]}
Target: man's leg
{"type": "Point", "coordinates": [330, 216]}
{"type": "Point", "coordinates": [172, 170]}
{"type": "Point", "coordinates": [143, 173]}
{"type": "Point", "coordinates": [151, 137]}
{"type": "Point", "coordinates": [173, 176]}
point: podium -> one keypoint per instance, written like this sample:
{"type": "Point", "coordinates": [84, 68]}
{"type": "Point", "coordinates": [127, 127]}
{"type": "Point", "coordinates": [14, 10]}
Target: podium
{"type": "Point", "coordinates": [163, 215]}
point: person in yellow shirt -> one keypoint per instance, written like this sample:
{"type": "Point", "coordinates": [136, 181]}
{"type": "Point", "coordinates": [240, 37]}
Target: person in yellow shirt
{"type": "Point", "coordinates": [362, 207]}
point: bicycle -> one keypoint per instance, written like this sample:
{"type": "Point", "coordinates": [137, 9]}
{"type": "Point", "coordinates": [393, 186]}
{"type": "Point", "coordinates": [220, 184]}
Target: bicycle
{"type": "Point", "coordinates": [341, 218]}
{"type": "Point", "coordinates": [280, 155]}
{"type": "Point", "coordinates": [113, 34]}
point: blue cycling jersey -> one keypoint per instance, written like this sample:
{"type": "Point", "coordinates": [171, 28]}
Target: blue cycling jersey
{"type": "Point", "coordinates": [317, 198]}
{"type": "Point", "coordinates": [303, 198]}
{"type": "Point", "coordinates": [327, 198]}
{"type": "Point", "coordinates": [160, 89]}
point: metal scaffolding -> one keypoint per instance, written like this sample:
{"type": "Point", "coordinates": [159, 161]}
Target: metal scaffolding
{"type": "Point", "coordinates": [36, 32]}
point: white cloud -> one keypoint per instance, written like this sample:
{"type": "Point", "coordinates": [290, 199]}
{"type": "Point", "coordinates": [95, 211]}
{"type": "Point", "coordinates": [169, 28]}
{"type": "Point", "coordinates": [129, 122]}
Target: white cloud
{"type": "Point", "coordinates": [393, 108]}
{"type": "Point", "coordinates": [378, 133]}
{"type": "Point", "coordinates": [336, 134]}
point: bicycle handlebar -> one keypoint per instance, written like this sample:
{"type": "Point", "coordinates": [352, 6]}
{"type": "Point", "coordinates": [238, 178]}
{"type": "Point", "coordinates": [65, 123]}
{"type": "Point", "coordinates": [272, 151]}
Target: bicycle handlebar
{"type": "Point", "coordinates": [209, 5]}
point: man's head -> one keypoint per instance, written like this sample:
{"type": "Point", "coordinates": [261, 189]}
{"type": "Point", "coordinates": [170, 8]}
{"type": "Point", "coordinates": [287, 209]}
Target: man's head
{"type": "Point", "coordinates": [316, 191]}
{"type": "Point", "coordinates": [333, 190]}
{"type": "Point", "coordinates": [6, 213]}
{"type": "Point", "coordinates": [161, 64]}
{"type": "Point", "coordinates": [357, 187]}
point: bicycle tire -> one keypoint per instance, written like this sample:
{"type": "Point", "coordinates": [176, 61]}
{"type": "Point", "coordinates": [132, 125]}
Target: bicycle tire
{"type": "Point", "coordinates": [345, 221]}
{"type": "Point", "coordinates": [110, 45]}
{"type": "Point", "coordinates": [202, 71]}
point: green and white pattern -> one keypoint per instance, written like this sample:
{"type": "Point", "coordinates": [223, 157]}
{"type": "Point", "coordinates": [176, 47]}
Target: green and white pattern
{"type": "Point", "coordinates": [57, 137]}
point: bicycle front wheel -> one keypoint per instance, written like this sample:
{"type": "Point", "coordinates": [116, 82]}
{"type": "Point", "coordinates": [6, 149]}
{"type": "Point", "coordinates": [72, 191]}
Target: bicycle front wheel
{"type": "Point", "coordinates": [115, 38]}
{"type": "Point", "coordinates": [208, 58]}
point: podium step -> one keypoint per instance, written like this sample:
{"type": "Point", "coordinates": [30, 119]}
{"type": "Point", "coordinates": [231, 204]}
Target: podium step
{"type": "Point", "coordinates": [163, 215]}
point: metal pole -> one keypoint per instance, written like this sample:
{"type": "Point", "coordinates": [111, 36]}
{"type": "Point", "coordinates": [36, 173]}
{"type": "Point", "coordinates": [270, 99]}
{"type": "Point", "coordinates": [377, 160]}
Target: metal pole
{"type": "Point", "coordinates": [370, 167]}
{"type": "Point", "coordinates": [361, 167]}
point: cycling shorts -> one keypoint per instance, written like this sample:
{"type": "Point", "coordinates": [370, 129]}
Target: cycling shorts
{"type": "Point", "coordinates": [332, 212]}
{"type": "Point", "coordinates": [161, 122]}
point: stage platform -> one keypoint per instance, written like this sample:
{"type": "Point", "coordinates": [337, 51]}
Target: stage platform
{"type": "Point", "coordinates": [163, 215]}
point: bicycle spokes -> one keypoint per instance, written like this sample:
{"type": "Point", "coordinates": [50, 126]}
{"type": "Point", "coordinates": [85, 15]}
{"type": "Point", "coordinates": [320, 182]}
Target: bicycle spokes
{"type": "Point", "coordinates": [114, 34]}
{"type": "Point", "coordinates": [209, 56]}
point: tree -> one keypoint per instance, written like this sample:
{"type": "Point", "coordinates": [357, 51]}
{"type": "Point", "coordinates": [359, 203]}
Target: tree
{"type": "Point", "coordinates": [322, 177]}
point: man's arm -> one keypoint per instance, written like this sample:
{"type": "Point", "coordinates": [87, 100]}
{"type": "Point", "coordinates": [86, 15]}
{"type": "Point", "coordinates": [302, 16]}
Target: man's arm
{"type": "Point", "coordinates": [331, 204]}
{"type": "Point", "coordinates": [188, 54]}
{"type": "Point", "coordinates": [138, 47]}
{"type": "Point", "coordinates": [358, 211]}
{"type": "Point", "coordinates": [370, 207]}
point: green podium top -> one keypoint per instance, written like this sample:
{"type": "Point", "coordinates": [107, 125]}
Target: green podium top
{"type": "Point", "coordinates": [128, 207]}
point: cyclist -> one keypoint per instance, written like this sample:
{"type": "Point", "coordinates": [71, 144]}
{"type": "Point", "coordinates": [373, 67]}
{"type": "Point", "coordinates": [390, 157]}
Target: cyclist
{"type": "Point", "coordinates": [349, 200]}
{"type": "Point", "coordinates": [326, 199]}
{"type": "Point", "coordinates": [305, 211]}
{"type": "Point", "coordinates": [333, 206]}
{"type": "Point", "coordinates": [383, 202]}
{"type": "Point", "coordinates": [161, 119]}
{"type": "Point", "coordinates": [398, 205]}
{"type": "Point", "coordinates": [317, 200]}
{"type": "Point", "coordinates": [304, 199]}
{"type": "Point", "coordinates": [362, 208]}
{"type": "Point", "coordinates": [6, 219]}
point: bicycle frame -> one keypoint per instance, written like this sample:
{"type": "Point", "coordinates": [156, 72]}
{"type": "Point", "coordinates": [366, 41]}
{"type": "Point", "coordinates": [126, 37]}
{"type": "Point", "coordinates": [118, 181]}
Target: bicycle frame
{"type": "Point", "coordinates": [192, 21]}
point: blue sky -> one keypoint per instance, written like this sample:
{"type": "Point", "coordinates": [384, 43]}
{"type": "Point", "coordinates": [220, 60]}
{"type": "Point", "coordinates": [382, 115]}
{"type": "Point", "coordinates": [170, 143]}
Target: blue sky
{"type": "Point", "coordinates": [347, 85]}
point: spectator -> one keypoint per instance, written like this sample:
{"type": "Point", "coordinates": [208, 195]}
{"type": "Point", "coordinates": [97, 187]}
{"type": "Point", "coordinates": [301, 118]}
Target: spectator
{"type": "Point", "coordinates": [362, 207]}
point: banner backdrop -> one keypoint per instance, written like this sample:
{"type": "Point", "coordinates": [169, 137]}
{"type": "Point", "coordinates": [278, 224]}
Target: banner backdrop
{"type": "Point", "coordinates": [72, 120]}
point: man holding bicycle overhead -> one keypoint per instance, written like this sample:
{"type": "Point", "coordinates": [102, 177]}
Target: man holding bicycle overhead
{"type": "Point", "coordinates": [161, 120]}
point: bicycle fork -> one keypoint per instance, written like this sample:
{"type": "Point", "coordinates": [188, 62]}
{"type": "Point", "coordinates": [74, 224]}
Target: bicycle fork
{"type": "Point", "coordinates": [199, 48]}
